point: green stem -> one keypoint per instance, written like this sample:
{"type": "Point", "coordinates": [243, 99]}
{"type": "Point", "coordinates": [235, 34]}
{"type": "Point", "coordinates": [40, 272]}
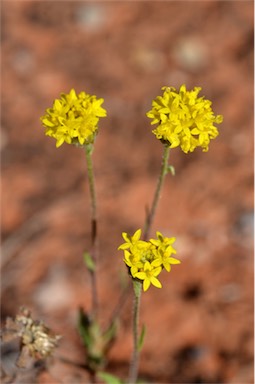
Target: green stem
{"type": "Point", "coordinates": [88, 152]}
{"type": "Point", "coordinates": [163, 172]}
{"type": "Point", "coordinates": [133, 371]}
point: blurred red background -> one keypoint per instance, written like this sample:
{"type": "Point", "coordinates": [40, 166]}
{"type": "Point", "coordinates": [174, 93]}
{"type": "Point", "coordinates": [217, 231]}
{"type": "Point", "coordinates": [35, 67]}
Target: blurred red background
{"type": "Point", "coordinates": [200, 325]}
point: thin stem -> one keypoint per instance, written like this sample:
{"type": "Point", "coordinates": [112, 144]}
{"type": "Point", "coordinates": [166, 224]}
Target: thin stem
{"type": "Point", "coordinates": [88, 152]}
{"type": "Point", "coordinates": [163, 172]}
{"type": "Point", "coordinates": [133, 371]}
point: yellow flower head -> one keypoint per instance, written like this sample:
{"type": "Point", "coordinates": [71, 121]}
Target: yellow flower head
{"type": "Point", "coordinates": [146, 259]}
{"type": "Point", "coordinates": [184, 119]}
{"type": "Point", "coordinates": [73, 118]}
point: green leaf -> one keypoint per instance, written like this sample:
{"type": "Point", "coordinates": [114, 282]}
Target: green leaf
{"type": "Point", "coordinates": [89, 262]}
{"type": "Point", "coordinates": [84, 325]}
{"type": "Point", "coordinates": [141, 338]}
{"type": "Point", "coordinates": [109, 379]}
{"type": "Point", "coordinates": [171, 169]}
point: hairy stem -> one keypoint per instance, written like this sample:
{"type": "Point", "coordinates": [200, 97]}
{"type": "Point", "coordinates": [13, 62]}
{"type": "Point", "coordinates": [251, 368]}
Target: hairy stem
{"type": "Point", "coordinates": [151, 213]}
{"type": "Point", "coordinates": [133, 371]}
{"type": "Point", "coordinates": [94, 250]}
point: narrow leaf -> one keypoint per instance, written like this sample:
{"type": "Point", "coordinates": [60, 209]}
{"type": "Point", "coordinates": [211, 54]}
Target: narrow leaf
{"type": "Point", "coordinates": [109, 379]}
{"type": "Point", "coordinates": [141, 338]}
{"type": "Point", "coordinates": [84, 328]}
{"type": "Point", "coordinates": [171, 169]}
{"type": "Point", "coordinates": [89, 262]}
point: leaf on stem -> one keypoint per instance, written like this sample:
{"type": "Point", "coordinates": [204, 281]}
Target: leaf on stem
{"type": "Point", "coordinates": [84, 324]}
{"type": "Point", "coordinates": [89, 262]}
{"type": "Point", "coordinates": [109, 379]}
{"type": "Point", "coordinates": [141, 338]}
{"type": "Point", "coordinates": [171, 169]}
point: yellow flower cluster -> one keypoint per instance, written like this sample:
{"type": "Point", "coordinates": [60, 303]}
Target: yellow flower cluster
{"type": "Point", "coordinates": [184, 119]}
{"type": "Point", "coordinates": [146, 259]}
{"type": "Point", "coordinates": [73, 118]}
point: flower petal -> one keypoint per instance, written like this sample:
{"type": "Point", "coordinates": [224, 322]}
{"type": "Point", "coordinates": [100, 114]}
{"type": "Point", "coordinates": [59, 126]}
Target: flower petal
{"type": "Point", "coordinates": [146, 284]}
{"type": "Point", "coordinates": [173, 260]}
{"type": "Point", "coordinates": [156, 282]}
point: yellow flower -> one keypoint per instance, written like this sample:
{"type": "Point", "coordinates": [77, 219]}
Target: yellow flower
{"type": "Point", "coordinates": [73, 118]}
{"type": "Point", "coordinates": [133, 260]}
{"type": "Point", "coordinates": [130, 240]}
{"type": "Point", "coordinates": [145, 259]}
{"type": "Point", "coordinates": [149, 276]}
{"type": "Point", "coordinates": [166, 260]}
{"type": "Point", "coordinates": [163, 242]}
{"type": "Point", "coordinates": [165, 250]}
{"type": "Point", "coordinates": [184, 119]}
